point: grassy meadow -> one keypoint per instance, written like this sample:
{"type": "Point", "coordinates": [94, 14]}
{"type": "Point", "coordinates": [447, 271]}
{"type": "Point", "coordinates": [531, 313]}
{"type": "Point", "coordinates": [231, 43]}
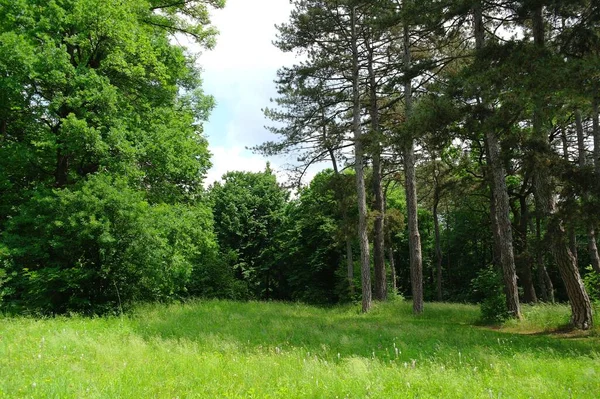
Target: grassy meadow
{"type": "Point", "coordinates": [222, 349]}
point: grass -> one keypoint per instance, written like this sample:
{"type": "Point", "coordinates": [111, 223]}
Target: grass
{"type": "Point", "coordinates": [221, 349]}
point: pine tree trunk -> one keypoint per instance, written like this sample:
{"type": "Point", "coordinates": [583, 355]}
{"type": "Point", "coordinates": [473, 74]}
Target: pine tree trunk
{"type": "Point", "coordinates": [438, 245]}
{"type": "Point", "coordinates": [544, 281]}
{"type": "Point", "coordinates": [343, 208]}
{"type": "Point", "coordinates": [524, 260]}
{"type": "Point", "coordinates": [591, 232]}
{"type": "Point", "coordinates": [580, 139]}
{"type": "Point", "coordinates": [414, 240]}
{"type": "Point", "coordinates": [360, 175]}
{"type": "Point", "coordinates": [596, 135]}
{"type": "Point", "coordinates": [390, 252]}
{"type": "Point", "coordinates": [581, 310]}
{"type": "Point", "coordinates": [570, 202]}
{"type": "Point", "coordinates": [378, 236]}
{"type": "Point", "coordinates": [380, 293]}
{"type": "Point", "coordinates": [349, 266]}
{"type": "Point", "coordinates": [581, 307]}
{"type": "Point", "coordinates": [502, 228]}
{"type": "Point", "coordinates": [495, 252]}
{"type": "Point", "coordinates": [592, 247]}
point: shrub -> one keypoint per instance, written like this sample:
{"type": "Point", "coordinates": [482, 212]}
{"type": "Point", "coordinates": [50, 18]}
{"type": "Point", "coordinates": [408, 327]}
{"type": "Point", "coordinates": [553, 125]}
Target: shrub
{"type": "Point", "coordinates": [487, 286]}
{"type": "Point", "coordinates": [591, 280]}
{"type": "Point", "coordinates": [99, 246]}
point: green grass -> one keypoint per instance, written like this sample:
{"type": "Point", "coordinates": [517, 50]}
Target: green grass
{"type": "Point", "coordinates": [220, 349]}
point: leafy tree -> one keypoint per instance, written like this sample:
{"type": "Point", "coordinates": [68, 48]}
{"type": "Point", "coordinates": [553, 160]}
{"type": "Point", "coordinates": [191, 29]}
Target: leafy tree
{"type": "Point", "coordinates": [249, 211]}
{"type": "Point", "coordinates": [101, 151]}
{"type": "Point", "coordinates": [314, 240]}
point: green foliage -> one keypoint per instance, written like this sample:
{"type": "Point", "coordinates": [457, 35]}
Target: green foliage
{"type": "Point", "coordinates": [248, 211]}
{"type": "Point", "coordinates": [101, 153]}
{"type": "Point", "coordinates": [99, 244]}
{"type": "Point", "coordinates": [487, 288]}
{"type": "Point", "coordinates": [314, 240]}
{"type": "Point", "coordinates": [591, 279]}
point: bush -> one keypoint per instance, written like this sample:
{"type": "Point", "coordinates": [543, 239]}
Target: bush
{"type": "Point", "coordinates": [101, 246]}
{"type": "Point", "coordinates": [488, 288]}
{"type": "Point", "coordinates": [591, 280]}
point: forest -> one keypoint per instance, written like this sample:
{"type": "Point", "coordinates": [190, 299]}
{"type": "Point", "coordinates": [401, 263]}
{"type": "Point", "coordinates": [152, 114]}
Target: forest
{"type": "Point", "coordinates": [446, 246]}
{"type": "Point", "coordinates": [462, 138]}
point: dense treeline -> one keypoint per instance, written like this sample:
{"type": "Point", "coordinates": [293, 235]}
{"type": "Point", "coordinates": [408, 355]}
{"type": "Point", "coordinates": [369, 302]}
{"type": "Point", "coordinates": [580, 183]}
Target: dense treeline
{"type": "Point", "coordinates": [487, 112]}
{"type": "Point", "coordinates": [463, 139]}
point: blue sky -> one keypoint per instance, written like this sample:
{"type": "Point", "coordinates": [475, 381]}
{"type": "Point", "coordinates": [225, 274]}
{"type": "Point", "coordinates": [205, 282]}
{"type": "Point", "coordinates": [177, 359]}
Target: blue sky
{"type": "Point", "coordinates": [239, 73]}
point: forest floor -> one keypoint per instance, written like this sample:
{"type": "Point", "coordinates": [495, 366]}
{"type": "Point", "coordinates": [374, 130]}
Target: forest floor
{"type": "Point", "coordinates": [222, 349]}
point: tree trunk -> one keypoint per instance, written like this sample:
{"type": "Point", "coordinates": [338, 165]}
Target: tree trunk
{"type": "Point", "coordinates": [360, 175]}
{"type": "Point", "coordinates": [591, 232]}
{"type": "Point", "coordinates": [502, 228]}
{"type": "Point", "coordinates": [342, 204]}
{"type": "Point", "coordinates": [390, 248]}
{"type": "Point", "coordinates": [438, 245]}
{"type": "Point", "coordinates": [349, 266]}
{"type": "Point", "coordinates": [390, 252]}
{"type": "Point", "coordinates": [570, 202]}
{"type": "Point", "coordinates": [378, 236]}
{"type": "Point", "coordinates": [62, 169]}
{"type": "Point", "coordinates": [580, 139]}
{"type": "Point", "coordinates": [596, 135]}
{"type": "Point", "coordinates": [581, 310]}
{"type": "Point", "coordinates": [414, 240]}
{"type": "Point", "coordinates": [544, 281]}
{"type": "Point", "coordinates": [523, 260]}
{"type": "Point", "coordinates": [581, 307]}
{"type": "Point", "coordinates": [592, 247]}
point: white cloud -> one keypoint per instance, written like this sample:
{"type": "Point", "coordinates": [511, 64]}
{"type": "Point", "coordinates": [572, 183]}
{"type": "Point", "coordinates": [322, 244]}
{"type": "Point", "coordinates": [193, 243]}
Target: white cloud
{"type": "Point", "coordinates": [232, 158]}
{"type": "Point", "coordinates": [239, 73]}
{"type": "Point", "coordinates": [247, 29]}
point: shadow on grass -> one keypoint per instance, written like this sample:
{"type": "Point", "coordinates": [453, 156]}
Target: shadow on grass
{"type": "Point", "coordinates": [445, 332]}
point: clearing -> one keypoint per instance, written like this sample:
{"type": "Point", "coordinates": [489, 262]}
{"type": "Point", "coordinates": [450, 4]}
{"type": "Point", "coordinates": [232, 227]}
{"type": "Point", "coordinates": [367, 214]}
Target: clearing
{"type": "Point", "coordinates": [223, 349]}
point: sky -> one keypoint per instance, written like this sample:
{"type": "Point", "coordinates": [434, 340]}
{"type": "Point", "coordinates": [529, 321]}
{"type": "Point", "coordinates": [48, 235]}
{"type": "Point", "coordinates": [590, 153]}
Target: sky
{"type": "Point", "coordinates": [239, 73]}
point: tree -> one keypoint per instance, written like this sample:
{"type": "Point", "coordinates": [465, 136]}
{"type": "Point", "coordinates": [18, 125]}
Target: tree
{"type": "Point", "coordinates": [101, 128]}
{"type": "Point", "coordinates": [314, 239]}
{"type": "Point", "coordinates": [248, 211]}
{"type": "Point", "coordinates": [309, 121]}
{"type": "Point", "coordinates": [330, 33]}
{"type": "Point", "coordinates": [500, 208]}
{"type": "Point", "coordinates": [581, 316]}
